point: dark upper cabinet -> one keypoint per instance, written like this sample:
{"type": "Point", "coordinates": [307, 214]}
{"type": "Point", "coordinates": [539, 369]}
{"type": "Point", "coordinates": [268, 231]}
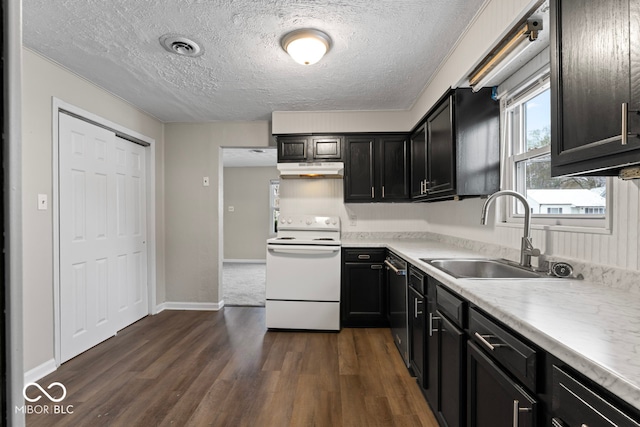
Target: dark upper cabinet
{"type": "Point", "coordinates": [376, 168]}
{"type": "Point", "coordinates": [309, 148]}
{"type": "Point", "coordinates": [595, 70]}
{"type": "Point", "coordinates": [364, 289]}
{"type": "Point", "coordinates": [455, 152]}
{"type": "Point", "coordinates": [418, 159]}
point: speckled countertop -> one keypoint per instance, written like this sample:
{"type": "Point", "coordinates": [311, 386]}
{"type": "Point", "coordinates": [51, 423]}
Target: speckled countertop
{"type": "Point", "coordinates": [593, 328]}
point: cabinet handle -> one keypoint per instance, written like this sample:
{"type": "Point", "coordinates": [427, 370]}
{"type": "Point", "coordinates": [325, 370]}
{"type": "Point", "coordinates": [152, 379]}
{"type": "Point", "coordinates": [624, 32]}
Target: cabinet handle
{"type": "Point", "coordinates": [624, 137]}
{"type": "Point", "coordinates": [364, 256]}
{"type": "Point", "coordinates": [432, 318]}
{"type": "Point", "coordinates": [376, 267]}
{"type": "Point", "coordinates": [415, 311]}
{"type": "Point", "coordinates": [483, 340]}
{"type": "Point", "coordinates": [373, 193]}
{"type": "Point", "coordinates": [625, 124]}
{"type": "Point", "coordinates": [383, 191]}
{"type": "Point", "coordinates": [516, 412]}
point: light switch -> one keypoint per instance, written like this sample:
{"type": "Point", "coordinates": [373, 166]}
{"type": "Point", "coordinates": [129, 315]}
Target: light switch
{"type": "Point", "coordinates": [205, 181]}
{"type": "Point", "coordinates": [43, 203]}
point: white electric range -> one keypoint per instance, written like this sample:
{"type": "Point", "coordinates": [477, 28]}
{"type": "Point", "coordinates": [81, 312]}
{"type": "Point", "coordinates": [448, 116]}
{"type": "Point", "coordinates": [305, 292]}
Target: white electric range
{"type": "Point", "coordinates": [303, 274]}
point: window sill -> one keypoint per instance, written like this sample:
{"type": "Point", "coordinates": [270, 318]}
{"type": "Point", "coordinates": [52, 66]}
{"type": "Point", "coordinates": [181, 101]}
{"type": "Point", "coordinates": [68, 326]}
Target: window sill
{"type": "Point", "coordinates": [563, 228]}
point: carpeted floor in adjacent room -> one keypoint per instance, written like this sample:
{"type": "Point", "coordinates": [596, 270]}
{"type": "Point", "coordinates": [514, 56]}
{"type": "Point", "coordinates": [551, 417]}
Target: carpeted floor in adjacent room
{"type": "Point", "coordinates": [243, 284]}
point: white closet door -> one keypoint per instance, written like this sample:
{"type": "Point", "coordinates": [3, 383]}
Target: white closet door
{"type": "Point", "coordinates": [131, 235]}
{"type": "Point", "coordinates": [100, 252]}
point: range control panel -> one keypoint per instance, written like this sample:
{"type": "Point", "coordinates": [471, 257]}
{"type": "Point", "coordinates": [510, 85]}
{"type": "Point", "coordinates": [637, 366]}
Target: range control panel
{"type": "Point", "coordinates": [308, 222]}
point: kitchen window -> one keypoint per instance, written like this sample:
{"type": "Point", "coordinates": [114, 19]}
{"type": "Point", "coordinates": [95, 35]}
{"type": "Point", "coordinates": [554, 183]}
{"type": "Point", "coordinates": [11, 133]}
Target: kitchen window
{"type": "Point", "coordinates": [566, 201]}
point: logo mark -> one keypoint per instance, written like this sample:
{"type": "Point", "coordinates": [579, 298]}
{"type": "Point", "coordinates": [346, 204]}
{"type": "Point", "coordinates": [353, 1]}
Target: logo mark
{"type": "Point", "coordinates": [43, 391]}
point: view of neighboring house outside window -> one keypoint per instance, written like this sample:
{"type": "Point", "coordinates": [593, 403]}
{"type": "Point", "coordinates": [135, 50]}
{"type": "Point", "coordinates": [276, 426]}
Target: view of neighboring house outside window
{"type": "Point", "coordinates": [568, 200]}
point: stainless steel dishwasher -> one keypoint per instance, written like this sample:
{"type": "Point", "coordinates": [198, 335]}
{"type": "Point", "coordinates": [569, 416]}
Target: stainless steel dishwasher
{"type": "Point", "coordinates": [398, 320]}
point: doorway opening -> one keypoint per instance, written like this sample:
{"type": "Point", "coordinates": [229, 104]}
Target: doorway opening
{"type": "Point", "coordinates": [250, 203]}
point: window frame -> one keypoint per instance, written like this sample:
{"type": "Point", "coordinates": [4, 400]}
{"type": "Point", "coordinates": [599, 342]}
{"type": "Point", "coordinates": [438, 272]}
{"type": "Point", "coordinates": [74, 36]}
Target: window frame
{"type": "Point", "coordinates": [513, 123]}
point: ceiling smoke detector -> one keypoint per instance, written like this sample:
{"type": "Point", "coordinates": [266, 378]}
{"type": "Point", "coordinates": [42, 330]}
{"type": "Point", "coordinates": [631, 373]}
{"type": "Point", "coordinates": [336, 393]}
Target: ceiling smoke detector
{"type": "Point", "coordinates": [181, 45]}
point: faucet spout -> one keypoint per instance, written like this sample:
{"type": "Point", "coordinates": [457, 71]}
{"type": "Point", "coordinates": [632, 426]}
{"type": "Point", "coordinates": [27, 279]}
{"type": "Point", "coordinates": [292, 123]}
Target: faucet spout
{"type": "Point", "coordinates": [526, 249]}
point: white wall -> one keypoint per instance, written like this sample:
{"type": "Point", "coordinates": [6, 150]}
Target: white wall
{"type": "Point", "coordinates": [246, 229]}
{"type": "Point", "coordinates": [193, 230]}
{"type": "Point", "coordinates": [43, 80]}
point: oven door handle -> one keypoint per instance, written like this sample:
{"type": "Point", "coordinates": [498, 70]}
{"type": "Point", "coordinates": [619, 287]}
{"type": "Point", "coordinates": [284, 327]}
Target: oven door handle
{"type": "Point", "coordinates": [310, 249]}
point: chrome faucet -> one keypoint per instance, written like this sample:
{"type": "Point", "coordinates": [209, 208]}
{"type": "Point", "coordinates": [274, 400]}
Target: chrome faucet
{"type": "Point", "coordinates": [526, 249]}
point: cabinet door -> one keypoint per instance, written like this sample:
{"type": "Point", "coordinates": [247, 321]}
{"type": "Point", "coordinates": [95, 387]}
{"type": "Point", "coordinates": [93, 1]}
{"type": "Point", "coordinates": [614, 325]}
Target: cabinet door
{"type": "Point", "coordinates": [591, 79]}
{"type": "Point", "coordinates": [452, 380]}
{"type": "Point", "coordinates": [364, 295]}
{"type": "Point", "coordinates": [359, 178]}
{"type": "Point", "coordinates": [326, 148]}
{"type": "Point", "coordinates": [394, 168]}
{"type": "Point", "coordinates": [493, 398]}
{"type": "Point", "coordinates": [419, 162]}
{"type": "Point", "coordinates": [292, 148]}
{"type": "Point", "coordinates": [441, 155]}
{"type": "Point", "coordinates": [575, 404]}
{"type": "Point", "coordinates": [417, 312]}
{"type": "Point", "coordinates": [430, 384]}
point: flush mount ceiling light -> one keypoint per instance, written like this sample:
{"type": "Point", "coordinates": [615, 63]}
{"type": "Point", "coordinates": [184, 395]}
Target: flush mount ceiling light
{"type": "Point", "coordinates": [181, 45]}
{"type": "Point", "coordinates": [306, 46]}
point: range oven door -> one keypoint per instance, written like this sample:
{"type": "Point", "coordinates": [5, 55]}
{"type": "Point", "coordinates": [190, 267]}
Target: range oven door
{"type": "Point", "coordinates": [303, 287]}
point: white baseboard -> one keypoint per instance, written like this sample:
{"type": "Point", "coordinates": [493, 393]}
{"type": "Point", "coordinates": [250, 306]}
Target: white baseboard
{"type": "Point", "coordinates": [245, 261]}
{"type": "Point", "coordinates": [201, 306]}
{"type": "Point", "coordinates": [40, 372]}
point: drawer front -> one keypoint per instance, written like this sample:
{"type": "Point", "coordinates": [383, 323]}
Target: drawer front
{"type": "Point", "coordinates": [574, 404]}
{"type": "Point", "coordinates": [516, 355]}
{"type": "Point", "coordinates": [454, 307]}
{"type": "Point", "coordinates": [416, 280]}
{"type": "Point", "coordinates": [364, 255]}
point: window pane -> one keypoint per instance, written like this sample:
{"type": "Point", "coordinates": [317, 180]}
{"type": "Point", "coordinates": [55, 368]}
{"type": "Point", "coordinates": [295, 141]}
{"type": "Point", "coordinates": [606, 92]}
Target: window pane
{"type": "Point", "coordinates": [559, 196]}
{"type": "Point", "coordinates": [537, 123]}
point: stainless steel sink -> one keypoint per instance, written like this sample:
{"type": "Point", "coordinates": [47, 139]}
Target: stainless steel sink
{"type": "Point", "coordinates": [481, 269]}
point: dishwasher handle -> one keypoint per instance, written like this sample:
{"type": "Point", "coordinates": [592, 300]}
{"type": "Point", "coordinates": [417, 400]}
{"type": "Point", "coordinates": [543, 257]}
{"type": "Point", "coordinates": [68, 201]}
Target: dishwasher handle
{"type": "Point", "coordinates": [399, 272]}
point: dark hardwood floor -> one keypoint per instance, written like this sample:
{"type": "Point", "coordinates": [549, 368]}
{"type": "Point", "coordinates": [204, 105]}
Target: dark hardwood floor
{"type": "Point", "coordinates": [190, 368]}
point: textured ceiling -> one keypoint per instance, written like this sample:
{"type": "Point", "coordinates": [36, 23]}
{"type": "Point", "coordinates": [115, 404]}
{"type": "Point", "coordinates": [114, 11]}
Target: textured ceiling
{"type": "Point", "coordinates": [384, 52]}
{"type": "Point", "coordinates": [249, 157]}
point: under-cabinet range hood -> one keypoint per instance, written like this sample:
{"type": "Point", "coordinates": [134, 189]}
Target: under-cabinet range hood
{"type": "Point", "coordinates": [311, 170]}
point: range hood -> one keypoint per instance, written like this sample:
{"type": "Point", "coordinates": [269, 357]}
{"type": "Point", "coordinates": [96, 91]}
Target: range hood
{"type": "Point", "coordinates": [311, 170]}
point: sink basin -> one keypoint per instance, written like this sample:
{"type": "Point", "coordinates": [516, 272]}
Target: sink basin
{"type": "Point", "coordinates": [481, 269]}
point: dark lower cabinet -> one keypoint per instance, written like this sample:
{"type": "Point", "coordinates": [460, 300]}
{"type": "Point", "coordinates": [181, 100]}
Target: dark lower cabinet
{"type": "Point", "coordinates": [417, 325]}
{"type": "Point", "coordinates": [364, 291]}
{"type": "Point", "coordinates": [430, 384]}
{"type": "Point", "coordinates": [576, 405]}
{"type": "Point", "coordinates": [451, 375]}
{"type": "Point", "coordinates": [493, 398]}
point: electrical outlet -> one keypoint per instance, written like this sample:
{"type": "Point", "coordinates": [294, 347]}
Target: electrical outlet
{"type": "Point", "coordinates": [205, 181]}
{"type": "Point", "coordinates": [353, 220]}
{"type": "Point", "coordinates": [231, 209]}
{"type": "Point", "coordinates": [43, 203]}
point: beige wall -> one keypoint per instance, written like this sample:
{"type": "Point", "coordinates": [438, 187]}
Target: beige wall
{"type": "Point", "coordinates": [193, 244]}
{"type": "Point", "coordinates": [247, 228]}
{"type": "Point", "coordinates": [43, 80]}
